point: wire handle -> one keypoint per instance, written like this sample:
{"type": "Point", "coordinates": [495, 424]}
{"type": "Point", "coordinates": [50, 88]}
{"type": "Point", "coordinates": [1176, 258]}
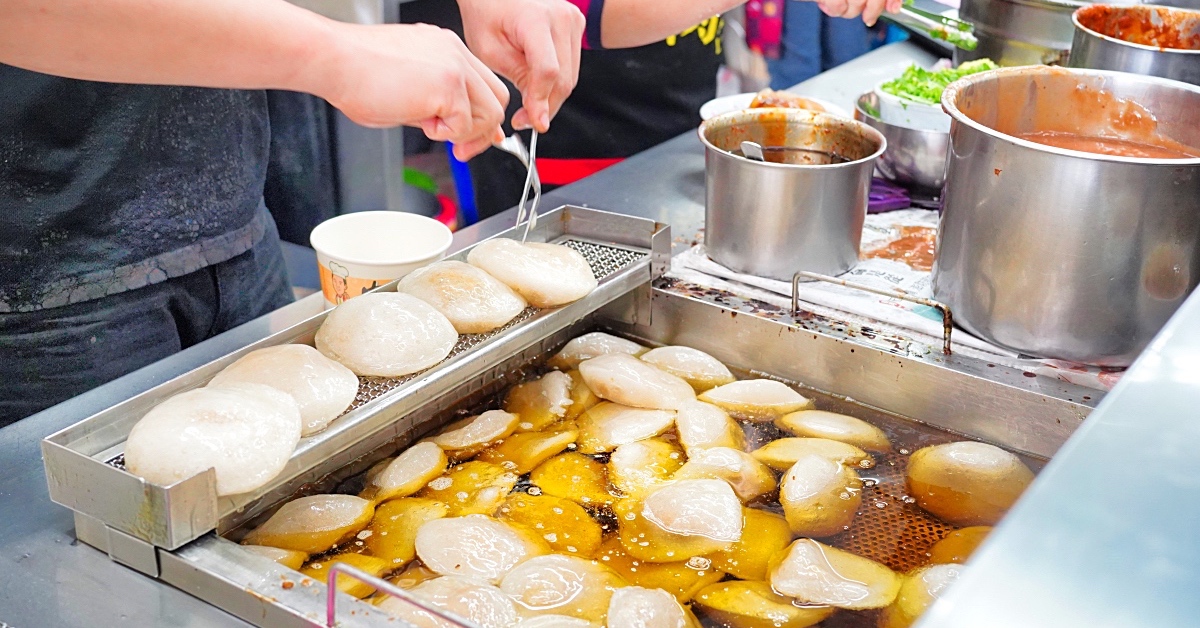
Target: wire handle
{"type": "Point", "coordinates": [331, 592]}
{"type": "Point", "coordinates": [947, 316]}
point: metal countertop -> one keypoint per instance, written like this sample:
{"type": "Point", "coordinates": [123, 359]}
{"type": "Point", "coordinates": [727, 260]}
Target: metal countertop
{"type": "Point", "coordinates": [1044, 560]}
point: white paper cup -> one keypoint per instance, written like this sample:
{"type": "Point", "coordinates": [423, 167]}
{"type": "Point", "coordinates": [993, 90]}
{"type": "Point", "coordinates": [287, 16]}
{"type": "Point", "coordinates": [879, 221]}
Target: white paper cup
{"type": "Point", "coordinates": [361, 251]}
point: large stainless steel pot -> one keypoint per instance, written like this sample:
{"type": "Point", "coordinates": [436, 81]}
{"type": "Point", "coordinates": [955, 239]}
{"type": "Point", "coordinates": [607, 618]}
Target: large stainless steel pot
{"type": "Point", "coordinates": [773, 219]}
{"type": "Point", "coordinates": [1100, 41]}
{"type": "Point", "coordinates": [1058, 253]}
{"type": "Point", "coordinates": [1019, 32]}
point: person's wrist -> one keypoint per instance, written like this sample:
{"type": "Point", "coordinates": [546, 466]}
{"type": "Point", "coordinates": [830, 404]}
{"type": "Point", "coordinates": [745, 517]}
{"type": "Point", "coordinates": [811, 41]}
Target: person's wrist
{"type": "Point", "coordinates": [321, 71]}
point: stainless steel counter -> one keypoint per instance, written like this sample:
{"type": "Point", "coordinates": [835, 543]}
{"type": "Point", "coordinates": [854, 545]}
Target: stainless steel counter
{"type": "Point", "coordinates": [1113, 521]}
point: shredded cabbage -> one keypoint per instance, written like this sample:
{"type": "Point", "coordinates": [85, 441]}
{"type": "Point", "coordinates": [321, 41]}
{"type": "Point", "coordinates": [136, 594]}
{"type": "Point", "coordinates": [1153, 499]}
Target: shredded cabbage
{"type": "Point", "coordinates": [925, 86]}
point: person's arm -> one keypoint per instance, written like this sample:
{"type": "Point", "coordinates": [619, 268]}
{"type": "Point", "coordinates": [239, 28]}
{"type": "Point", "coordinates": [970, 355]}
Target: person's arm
{"type": "Point", "coordinates": [629, 23]}
{"type": "Point", "coordinates": [378, 75]}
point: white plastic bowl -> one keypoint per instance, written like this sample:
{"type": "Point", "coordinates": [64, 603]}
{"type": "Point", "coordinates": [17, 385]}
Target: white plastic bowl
{"type": "Point", "coordinates": [910, 114]}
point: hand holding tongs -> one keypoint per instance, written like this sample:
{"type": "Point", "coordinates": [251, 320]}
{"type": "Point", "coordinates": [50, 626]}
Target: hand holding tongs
{"type": "Point", "coordinates": [955, 32]}
{"type": "Point", "coordinates": [515, 147]}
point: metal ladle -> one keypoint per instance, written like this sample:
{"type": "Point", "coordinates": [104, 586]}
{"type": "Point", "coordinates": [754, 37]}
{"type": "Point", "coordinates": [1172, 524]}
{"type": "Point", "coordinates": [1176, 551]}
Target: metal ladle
{"type": "Point", "coordinates": [754, 151]}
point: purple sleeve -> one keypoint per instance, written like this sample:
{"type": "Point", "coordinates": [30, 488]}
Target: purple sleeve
{"type": "Point", "coordinates": [592, 11]}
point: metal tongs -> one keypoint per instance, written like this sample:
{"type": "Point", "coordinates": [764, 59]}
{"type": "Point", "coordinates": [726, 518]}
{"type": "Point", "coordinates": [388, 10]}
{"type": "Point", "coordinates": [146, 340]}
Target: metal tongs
{"type": "Point", "coordinates": [952, 31]}
{"type": "Point", "coordinates": [515, 147]}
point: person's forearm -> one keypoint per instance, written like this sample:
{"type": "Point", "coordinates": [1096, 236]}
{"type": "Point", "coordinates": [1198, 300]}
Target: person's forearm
{"type": "Point", "coordinates": [248, 44]}
{"type": "Point", "coordinates": [628, 23]}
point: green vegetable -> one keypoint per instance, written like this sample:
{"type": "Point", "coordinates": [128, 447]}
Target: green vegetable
{"type": "Point", "coordinates": [925, 86]}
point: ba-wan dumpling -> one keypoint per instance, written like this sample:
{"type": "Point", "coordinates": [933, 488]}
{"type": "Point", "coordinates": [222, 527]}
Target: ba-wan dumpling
{"type": "Point", "coordinates": [592, 345]}
{"type": "Point", "coordinates": [474, 301]}
{"type": "Point", "coordinates": [547, 275]}
{"type": "Point", "coordinates": [629, 381]}
{"type": "Point", "coordinates": [322, 388]}
{"type": "Point", "coordinates": [476, 601]}
{"type": "Point", "coordinates": [696, 367]}
{"type": "Point", "coordinates": [244, 432]}
{"type": "Point", "coordinates": [386, 334]}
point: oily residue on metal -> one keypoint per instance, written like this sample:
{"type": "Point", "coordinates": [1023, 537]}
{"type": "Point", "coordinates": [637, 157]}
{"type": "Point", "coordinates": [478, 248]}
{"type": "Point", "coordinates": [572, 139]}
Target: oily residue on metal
{"type": "Point", "coordinates": [1158, 27]}
{"type": "Point", "coordinates": [915, 246]}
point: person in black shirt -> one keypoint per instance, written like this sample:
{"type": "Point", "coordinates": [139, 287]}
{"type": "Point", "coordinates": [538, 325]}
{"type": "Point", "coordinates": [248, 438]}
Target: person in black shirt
{"type": "Point", "coordinates": [131, 213]}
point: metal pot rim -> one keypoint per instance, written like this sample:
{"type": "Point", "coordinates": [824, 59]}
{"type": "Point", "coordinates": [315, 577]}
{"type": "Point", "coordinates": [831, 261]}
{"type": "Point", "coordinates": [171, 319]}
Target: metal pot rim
{"type": "Point", "coordinates": [1115, 40]}
{"type": "Point", "coordinates": [950, 95]}
{"type": "Point", "coordinates": [865, 128]}
{"type": "Point", "coordinates": [858, 108]}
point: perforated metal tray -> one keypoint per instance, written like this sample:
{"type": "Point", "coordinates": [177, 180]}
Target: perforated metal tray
{"type": "Point", "coordinates": [84, 465]}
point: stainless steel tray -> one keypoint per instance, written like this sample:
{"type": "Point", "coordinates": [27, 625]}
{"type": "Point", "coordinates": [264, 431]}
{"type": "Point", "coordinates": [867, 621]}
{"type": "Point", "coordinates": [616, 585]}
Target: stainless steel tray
{"type": "Point", "coordinates": [1028, 415]}
{"type": "Point", "coordinates": [84, 467]}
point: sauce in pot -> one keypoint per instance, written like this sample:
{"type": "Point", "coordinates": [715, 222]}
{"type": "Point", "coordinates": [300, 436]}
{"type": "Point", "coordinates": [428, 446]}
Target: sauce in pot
{"type": "Point", "coordinates": [1108, 145]}
{"type": "Point", "coordinates": [1147, 26]}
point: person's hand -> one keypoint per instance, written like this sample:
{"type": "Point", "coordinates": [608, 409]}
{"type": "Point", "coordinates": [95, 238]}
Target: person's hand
{"type": "Point", "coordinates": [870, 10]}
{"type": "Point", "coordinates": [533, 43]}
{"type": "Point", "coordinates": [415, 75]}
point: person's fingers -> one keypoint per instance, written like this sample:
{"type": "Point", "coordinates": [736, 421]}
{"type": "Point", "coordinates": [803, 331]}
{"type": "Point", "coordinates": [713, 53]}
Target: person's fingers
{"type": "Point", "coordinates": [568, 48]}
{"type": "Point", "coordinates": [894, 6]}
{"type": "Point", "coordinates": [543, 70]}
{"type": "Point", "coordinates": [467, 150]}
{"type": "Point", "coordinates": [493, 82]}
{"type": "Point", "coordinates": [487, 111]}
{"type": "Point", "coordinates": [872, 11]}
{"type": "Point", "coordinates": [454, 109]}
{"type": "Point", "coordinates": [833, 8]}
{"type": "Point", "coordinates": [854, 8]}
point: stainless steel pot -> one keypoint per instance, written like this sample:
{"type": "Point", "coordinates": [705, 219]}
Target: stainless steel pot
{"type": "Point", "coordinates": [1059, 253]}
{"type": "Point", "coordinates": [1019, 32]}
{"type": "Point", "coordinates": [773, 219]}
{"type": "Point", "coordinates": [1100, 41]}
{"type": "Point", "coordinates": [914, 158]}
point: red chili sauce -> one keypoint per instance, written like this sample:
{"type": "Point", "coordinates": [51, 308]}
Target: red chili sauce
{"type": "Point", "coordinates": [1149, 26]}
{"type": "Point", "coordinates": [1107, 145]}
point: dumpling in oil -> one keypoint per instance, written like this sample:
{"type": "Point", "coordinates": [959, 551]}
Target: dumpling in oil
{"type": "Point", "coordinates": [752, 604]}
{"type": "Point", "coordinates": [702, 425]}
{"type": "Point", "coordinates": [244, 432]}
{"type": "Point", "coordinates": [476, 601]}
{"type": "Point", "coordinates": [609, 425]}
{"type": "Point", "coordinates": [472, 434]}
{"type": "Point", "coordinates": [475, 546]}
{"type": "Point", "coordinates": [834, 426]}
{"type": "Point", "coordinates": [748, 477]}
{"type": "Point", "coordinates": [782, 453]}
{"type": "Point", "coordinates": [386, 334]}
{"type": "Point", "coordinates": [313, 524]}
{"type": "Point", "coordinates": [291, 559]}
{"type": "Point", "coordinates": [474, 301]}
{"type": "Point", "coordinates": [958, 546]}
{"type": "Point", "coordinates": [680, 520]}
{"type": "Point", "coordinates": [756, 399]}
{"type": "Point", "coordinates": [322, 388]}
{"type": "Point", "coordinates": [636, 468]}
{"type": "Point", "coordinates": [546, 275]}
{"type": "Point", "coordinates": [636, 607]}
{"type": "Point", "coordinates": [819, 496]}
{"type": "Point", "coordinates": [319, 570]}
{"type": "Point", "coordinates": [592, 345]}
{"type": "Point", "coordinates": [967, 483]}
{"type": "Point", "coordinates": [920, 590]}
{"type": "Point", "coordinates": [565, 585]}
{"type": "Point", "coordinates": [629, 381]}
{"type": "Point", "coordinates": [407, 473]}
{"type": "Point", "coordinates": [816, 573]}
{"type": "Point", "coordinates": [696, 367]}
{"type": "Point", "coordinates": [556, 621]}
{"type": "Point", "coordinates": [540, 402]}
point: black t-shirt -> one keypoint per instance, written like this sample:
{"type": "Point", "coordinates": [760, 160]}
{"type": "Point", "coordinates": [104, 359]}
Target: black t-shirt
{"type": "Point", "coordinates": [627, 101]}
{"type": "Point", "coordinates": [110, 187]}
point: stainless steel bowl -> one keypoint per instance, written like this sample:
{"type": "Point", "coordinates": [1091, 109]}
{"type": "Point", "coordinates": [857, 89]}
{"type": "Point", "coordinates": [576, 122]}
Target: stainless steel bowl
{"type": "Point", "coordinates": [771, 219]}
{"type": "Point", "coordinates": [914, 158]}
{"type": "Point", "coordinates": [1058, 253]}
{"type": "Point", "coordinates": [1100, 41]}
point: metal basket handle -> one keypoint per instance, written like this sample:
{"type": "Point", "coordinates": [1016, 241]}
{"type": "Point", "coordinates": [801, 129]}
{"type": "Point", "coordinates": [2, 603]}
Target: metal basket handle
{"type": "Point", "coordinates": [331, 592]}
{"type": "Point", "coordinates": [947, 316]}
